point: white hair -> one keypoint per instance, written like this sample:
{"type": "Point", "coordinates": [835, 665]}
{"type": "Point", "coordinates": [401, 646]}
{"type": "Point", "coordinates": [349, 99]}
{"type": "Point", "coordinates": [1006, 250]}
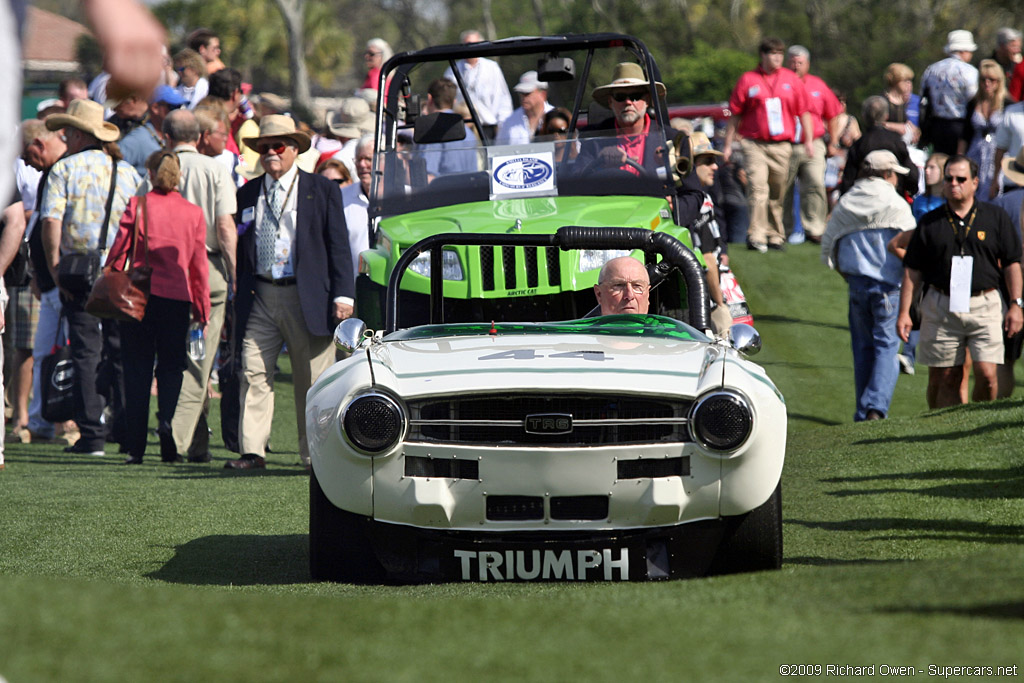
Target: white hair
{"type": "Point", "coordinates": [386, 52]}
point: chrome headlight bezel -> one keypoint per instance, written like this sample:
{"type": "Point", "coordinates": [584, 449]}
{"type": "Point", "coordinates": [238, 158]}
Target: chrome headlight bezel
{"type": "Point", "coordinates": [723, 446]}
{"type": "Point", "coordinates": [393, 406]}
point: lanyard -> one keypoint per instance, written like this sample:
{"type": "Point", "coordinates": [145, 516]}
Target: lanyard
{"type": "Point", "coordinates": [266, 200]}
{"type": "Point", "coordinates": [952, 218]}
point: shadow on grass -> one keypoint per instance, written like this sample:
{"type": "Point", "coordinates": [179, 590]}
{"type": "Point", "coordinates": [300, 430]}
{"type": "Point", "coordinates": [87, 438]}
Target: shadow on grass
{"type": "Point", "coordinates": [833, 562]}
{"type": "Point", "coordinates": [814, 418]}
{"type": "Point", "coordinates": [244, 560]}
{"type": "Point", "coordinates": [997, 610]}
{"type": "Point", "coordinates": [947, 436]}
{"type": "Point", "coordinates": [998, 474]}
{"type": "Point", "coordinates": [787, 320]}
{"type": "Point", "coordinates": [931, 529]}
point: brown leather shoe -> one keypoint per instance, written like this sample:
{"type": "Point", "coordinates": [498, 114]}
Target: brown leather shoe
{"type": "Point", "coordinates": [249, 461]}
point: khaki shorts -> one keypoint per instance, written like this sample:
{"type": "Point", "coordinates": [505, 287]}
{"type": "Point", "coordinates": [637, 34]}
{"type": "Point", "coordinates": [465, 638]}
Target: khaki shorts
{"type": "Point", "coordinates": [946, 336]}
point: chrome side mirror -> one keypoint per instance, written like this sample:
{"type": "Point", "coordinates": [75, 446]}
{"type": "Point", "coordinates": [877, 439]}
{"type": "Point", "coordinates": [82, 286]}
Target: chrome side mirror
{"type": "Point", "coordinates": [348, 334]}
{"type": "Point", "coordinates": [744, 339]}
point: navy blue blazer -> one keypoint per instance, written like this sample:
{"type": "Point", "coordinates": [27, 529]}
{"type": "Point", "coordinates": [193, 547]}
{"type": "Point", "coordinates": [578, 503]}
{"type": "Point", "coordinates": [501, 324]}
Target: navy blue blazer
{"type": "Point", "coordinates": [320, 254]}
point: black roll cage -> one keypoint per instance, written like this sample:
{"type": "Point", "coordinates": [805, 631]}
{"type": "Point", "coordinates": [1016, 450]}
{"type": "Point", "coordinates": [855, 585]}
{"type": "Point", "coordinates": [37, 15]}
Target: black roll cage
{"type": "Point", "coordinates": [673, 252]}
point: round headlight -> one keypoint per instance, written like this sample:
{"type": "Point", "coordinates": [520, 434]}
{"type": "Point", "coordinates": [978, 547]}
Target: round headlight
{"type": "Point", "coordinates": [721, 421]}
{"type": "Point", "coordinates": [373, 423]}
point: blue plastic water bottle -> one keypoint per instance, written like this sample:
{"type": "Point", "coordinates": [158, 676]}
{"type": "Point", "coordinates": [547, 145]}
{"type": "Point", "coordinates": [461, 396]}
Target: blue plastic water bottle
{"type": "Point", "coordinates": [196, 342]}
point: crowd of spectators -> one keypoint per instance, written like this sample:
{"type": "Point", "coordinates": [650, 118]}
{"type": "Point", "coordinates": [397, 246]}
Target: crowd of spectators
{"type": "Point", "coordinates": [771, 176]}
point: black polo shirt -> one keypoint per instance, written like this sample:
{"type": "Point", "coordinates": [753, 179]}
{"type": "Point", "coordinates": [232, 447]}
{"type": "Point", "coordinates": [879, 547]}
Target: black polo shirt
{"type": "Point", "coordinates": [991, 240]}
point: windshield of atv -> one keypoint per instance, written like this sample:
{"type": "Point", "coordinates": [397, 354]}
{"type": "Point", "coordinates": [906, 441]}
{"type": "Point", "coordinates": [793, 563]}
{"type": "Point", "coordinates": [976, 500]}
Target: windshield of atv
{"type": "Point", "coordinates": [427, 158]}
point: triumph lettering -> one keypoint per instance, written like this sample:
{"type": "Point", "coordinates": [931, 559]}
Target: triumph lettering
{"type": "Point", "coordinates": [529, 565]}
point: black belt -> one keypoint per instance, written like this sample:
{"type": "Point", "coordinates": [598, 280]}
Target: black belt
{"type": "Point", "coordinates": [279, 282]}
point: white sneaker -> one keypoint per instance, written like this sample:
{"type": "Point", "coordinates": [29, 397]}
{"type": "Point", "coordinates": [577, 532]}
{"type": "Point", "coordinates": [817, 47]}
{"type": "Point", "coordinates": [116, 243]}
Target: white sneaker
{"type": "Point", "coordinates": [906, 365]}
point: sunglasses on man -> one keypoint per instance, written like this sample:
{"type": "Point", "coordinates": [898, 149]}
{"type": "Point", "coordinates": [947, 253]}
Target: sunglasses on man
{"type": "Point", "coordinates": [271, 148]}
{"type": "Point", "coordinates": [633, 96]}
{"type": "Point", "coordinates": [958, 178]}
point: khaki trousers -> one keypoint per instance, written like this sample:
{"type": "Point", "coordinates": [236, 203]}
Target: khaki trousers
{"type": "Point", "coordinates": [277, 319]}
{"type": "Point", "coordinates": [767, 166]}
{"type": "Point", "coordinates": [196, 377]}
{"type": "Point", "coordinates": [813, 204]}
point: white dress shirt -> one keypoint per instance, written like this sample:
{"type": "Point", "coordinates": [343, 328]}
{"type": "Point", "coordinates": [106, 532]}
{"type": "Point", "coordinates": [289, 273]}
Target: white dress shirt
{"type": "Point", "coordinates": [357, 220]}
{"type": "Point", "coordinates": [486, 85]}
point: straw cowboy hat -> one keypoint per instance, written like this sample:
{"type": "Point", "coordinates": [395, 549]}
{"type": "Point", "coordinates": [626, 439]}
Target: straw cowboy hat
{"type": "Point", "coordinates": [353, 119]}
{"type": "Point", "coordinates": [279, 126]}
{"type": "Point", "coordinates": [625, 75]}
{"type": "Point", "coordinates": [1014, 168]}
{"type": "Point", "coordinates": [86, 116]}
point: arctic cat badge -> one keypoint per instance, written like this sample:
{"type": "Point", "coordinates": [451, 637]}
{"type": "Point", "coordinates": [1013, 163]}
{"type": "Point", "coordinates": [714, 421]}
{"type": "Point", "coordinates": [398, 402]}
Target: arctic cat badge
{"type": "Point", "coordinates": [534, 565]}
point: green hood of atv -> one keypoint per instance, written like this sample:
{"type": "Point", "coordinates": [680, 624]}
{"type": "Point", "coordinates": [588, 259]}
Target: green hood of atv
{"type": "Point", "coordinates": [486, 272]}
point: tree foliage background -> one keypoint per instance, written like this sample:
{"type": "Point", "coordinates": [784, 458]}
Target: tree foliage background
{"type": "Point", "coordinates": [700, 45]}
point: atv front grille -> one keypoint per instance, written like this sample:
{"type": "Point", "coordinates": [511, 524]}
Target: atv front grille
{"type": "Point", "coordinates": [548, 420]}
{"type": "Point", "coordinates": [519, 268]}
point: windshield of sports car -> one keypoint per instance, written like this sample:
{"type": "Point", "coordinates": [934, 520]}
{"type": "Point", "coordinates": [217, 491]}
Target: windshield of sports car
{"type": "Point", "coordinates": [448, 133]}
{"type": "Point", "coordinates": [608, 325]}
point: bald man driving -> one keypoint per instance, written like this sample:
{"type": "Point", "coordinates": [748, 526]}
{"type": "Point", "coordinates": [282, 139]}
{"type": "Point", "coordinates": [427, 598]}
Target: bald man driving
{"type": "Point", "coordinates": [623, 287]}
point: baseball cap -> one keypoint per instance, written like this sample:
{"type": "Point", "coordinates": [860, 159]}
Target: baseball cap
{"type": "Point", "coordinates": [884, 160]}
{"type": "Point", "coordinates": [528, 83]}
{"type": "Point", "coordinates": [168, 95]}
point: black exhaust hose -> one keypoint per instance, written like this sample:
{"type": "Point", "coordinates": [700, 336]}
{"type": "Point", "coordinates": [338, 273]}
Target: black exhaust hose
{"type": "Point", "coordinates": [672, 250]}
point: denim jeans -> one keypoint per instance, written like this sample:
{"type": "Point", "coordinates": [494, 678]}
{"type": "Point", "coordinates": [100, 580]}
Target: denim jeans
{"type": "Point", "coordinates": [873, 312]}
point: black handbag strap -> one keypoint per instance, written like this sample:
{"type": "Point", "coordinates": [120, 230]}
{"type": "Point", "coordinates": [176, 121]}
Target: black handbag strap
{"type": "Point", "coordinates": [110, 202]}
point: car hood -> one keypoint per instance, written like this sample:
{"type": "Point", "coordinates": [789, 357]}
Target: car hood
{"type": "Point", "coordinates": [447, 365]}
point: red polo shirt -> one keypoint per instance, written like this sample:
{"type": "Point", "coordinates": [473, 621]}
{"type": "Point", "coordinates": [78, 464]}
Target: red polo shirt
{"type": "Point", "coordinates": [821, 102]}
{"type": "Point", "coordinates": [750, 100]}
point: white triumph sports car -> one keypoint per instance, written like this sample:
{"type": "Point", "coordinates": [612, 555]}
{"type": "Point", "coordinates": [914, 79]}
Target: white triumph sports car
{"type": "Point", "coordinates": [622, 447]}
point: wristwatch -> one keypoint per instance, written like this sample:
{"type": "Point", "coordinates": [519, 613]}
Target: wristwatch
{"type": "Point", "coordinates": [1019, 301]}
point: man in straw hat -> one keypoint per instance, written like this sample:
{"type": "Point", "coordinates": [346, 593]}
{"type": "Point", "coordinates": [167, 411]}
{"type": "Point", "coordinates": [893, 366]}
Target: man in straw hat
{"type": "Point", "coordinates": [636, 138]}
{"type": "Point", "coordinates": [766, 104]}
{"type": "Point", "coordinates": [947, 86]}
{"type": "Point", "coordinates": [295, 281]}
{"type": "Point", "coordinates": [706, 233]}
{"type": "Point", "coordinates": [73, 211]}
{"type": "Point", "coordinates": [855, 244]}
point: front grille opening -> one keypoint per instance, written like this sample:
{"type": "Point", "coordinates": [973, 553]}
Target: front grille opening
{"type": "Point", "coordinates": [441, 468]}
{"type": "Point", "coordinates": [579, 508]}
{"type": "Point", "coordinates": [532, 276]}
{"type": "Point", "coordinates": [487, 267]}
{"type": "Point", "coordinates": [652, 469]}
{"type": "Point", "coordinates": [514, 508]}
{"type": "Point", "coordinates": [554, 268]}
{"type": "Point", "coordinates": [508, 262]}
{"type": "Point", "coordinates": [636, 417]}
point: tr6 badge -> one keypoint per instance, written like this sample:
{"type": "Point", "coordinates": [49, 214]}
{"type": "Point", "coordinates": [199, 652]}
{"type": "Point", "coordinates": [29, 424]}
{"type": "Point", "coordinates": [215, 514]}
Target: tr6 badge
{"type": "Point", "coordinates": [548, 423]}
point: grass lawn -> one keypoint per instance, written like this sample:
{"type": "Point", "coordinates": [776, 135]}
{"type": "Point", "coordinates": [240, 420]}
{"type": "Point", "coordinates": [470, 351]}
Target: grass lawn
{"type": "Point", "coordinates": [904, 547]}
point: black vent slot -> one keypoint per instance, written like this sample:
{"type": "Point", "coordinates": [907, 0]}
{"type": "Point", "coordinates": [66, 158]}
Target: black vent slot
{"type": "Point", "coordinates": [554, 268]}
{"type": "Point", "coordinates": [487, 268]}
{"type": "Point", "coordinates": [584, 508]}
{"type": "Point", "coordinates": [652, 469]}
{"type": "Point", "coordinates": [508, 263]}
{"type": "Point", "coordinates": [514, 508]}
{"type": "Point", "coordinates": [532, 276]}
{"type": "Point", "coordinates": [440, 468]}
